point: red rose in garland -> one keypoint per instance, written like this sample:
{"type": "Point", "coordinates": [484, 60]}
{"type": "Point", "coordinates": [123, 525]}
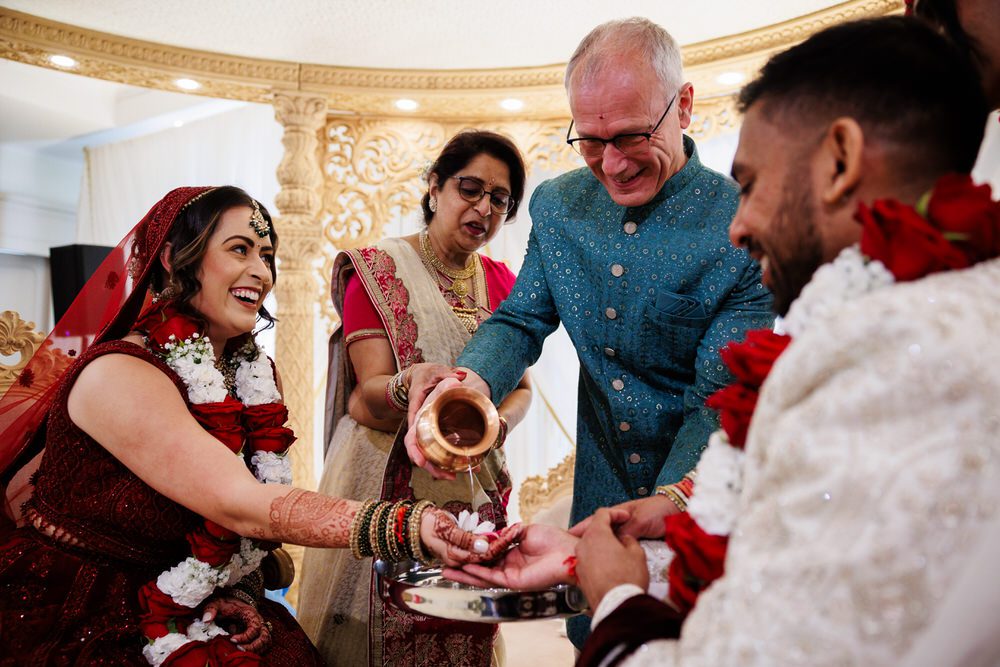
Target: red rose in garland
{"type": "Point", "coordinates": [214, 547]}
{"type": "Point", "coordinates": [909, 246]}
{"type": "Point", "coordinates": [216, 651]}
{"type": "Point", "coordinates": [750, 361]}
{"type": "Point", "coordinates": [159, 611]}
{"type": "Point", "coordinates": [223, 420]}
{"type": "Point", "coordinates": [261, 416]}
{"type": "Point", "coordinates": [160, 322]}
{"type": "Point", "coordinates": [275, 439]}
{"type": "Point", "coordinates": [698, 559]}
{"type": "Point", "coordinates": [735, 404]}
{"type": "Point", "coordinates": [967, 216]}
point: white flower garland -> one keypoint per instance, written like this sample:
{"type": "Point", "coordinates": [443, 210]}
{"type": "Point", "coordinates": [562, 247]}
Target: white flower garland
{"type": "Point", "coordinates": [715, 500]}
{"type": "Point", "coordinates": [191, 581]}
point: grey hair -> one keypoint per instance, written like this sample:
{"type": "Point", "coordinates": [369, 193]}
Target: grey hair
{"type": "Point", "coordinates": [635, 36]}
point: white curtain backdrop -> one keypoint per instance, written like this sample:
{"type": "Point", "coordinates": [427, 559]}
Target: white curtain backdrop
{"type": "Point", "coordinates": [122, 181]}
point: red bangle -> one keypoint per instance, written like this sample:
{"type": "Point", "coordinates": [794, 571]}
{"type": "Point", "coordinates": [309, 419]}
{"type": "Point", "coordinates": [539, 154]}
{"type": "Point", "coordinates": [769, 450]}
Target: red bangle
{"type": "Point", "coordinates": [570, 564]}
{"type": "Point", "coordinates": [501, 434]}
{"type": "Point", "coordinates": [398, 524]}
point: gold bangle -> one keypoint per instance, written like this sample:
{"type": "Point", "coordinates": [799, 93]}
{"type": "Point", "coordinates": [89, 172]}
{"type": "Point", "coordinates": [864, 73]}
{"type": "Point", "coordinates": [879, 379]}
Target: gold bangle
{"type": "Point", "coordinates": [395, 554]}
{"type": "Point", "coordinates": [416, 546]}
{"type": "Point", "coordinates": [674, 497]}
{"type": "Point", "coordinates": [373, 535]}
{"type": "Point", "coordinates": [396, 396]}
{"type": "Point", "coordinates": [364, 536]}
{"type": "Point", "coordinates": [355, 535]}
{"type": "Point", "coordinates": [383, 542]}
{"type": "Point", "coordinates": [242, 596]}
{"type": "Point", "coordinates": [501, 433]}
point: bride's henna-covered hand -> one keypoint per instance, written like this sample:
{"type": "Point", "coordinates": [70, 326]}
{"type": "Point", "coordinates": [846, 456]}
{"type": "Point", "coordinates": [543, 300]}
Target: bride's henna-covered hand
{"type": "Point", "coordinates": [442, 537]}
{"type": "Point", "coordinates": [310, 519]}
{"type": "Point", "coordinates": [244, 623]}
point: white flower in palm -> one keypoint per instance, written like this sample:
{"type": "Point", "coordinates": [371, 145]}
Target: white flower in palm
{"type": "Point", "coordinates": [469, 521]}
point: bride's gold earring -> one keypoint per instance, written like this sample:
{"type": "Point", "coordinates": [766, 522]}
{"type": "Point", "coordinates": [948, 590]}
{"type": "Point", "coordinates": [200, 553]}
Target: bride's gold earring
{"type": "Point", "coordinates": [167, 293]}
{"type": "Point", "coordinates": [432, 204]}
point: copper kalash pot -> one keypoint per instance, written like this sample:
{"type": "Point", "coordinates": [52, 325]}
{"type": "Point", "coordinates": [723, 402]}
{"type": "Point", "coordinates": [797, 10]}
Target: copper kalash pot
{"type": "Point", "coordinates": [457, 429]}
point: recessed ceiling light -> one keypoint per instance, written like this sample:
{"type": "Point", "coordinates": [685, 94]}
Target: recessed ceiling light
{"type": "Point", "coordinates": [187, 84]}
{"type": "Point", "coordinates": [730, 78]}
{"type": "Point", "coordinates": [404, 104]}
{"type": "Point", "coordinates": [512, 104]}
{"type": "Point", "coordinates": [62, 61]}
{"type": "Point", "coordinates": [178, 123]}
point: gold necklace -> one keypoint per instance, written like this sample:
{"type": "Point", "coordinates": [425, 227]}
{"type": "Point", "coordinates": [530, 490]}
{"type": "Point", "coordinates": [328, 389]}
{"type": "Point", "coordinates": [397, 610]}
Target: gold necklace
{"type": "Point", "coordinates": [428, 252]}
{"type": "Point", "coordinates": [227, 366]}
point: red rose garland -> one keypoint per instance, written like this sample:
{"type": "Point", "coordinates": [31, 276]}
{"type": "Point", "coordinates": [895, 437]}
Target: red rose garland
{"type": "Point", "coordinates": [699, 556]}
{"type": "Point", "coordinates": [953, 227]}
{"type": "Point", "coordinates": [220, 557]}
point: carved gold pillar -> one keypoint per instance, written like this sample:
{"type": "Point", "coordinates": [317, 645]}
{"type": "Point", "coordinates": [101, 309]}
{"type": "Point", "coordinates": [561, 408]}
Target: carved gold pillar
{"type": "Point", "coordinates": [297, 291]}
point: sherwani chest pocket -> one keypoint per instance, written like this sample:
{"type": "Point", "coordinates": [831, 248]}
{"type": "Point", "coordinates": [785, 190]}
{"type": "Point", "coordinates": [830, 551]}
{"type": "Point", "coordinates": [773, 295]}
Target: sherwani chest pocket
{"type": "Point", "coordinates": [672, 327]}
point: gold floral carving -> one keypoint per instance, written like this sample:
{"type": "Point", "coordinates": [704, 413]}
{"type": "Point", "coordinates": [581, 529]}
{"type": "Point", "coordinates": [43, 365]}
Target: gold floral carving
{"type": "Point", "coordinates": [16, 337]}
{"type": "Point", "coordinates": [373, 173]}
{"type": "Point", "coordinates": [713, 117]}
{"type": "Point", "coordinates": [783, 35]}
{"type": "Point", "coordinates": [298, 292]}
{"type": "Point", "coordinates": [538, 493]}
{"type": "Point", "coordinates": [455, 95]}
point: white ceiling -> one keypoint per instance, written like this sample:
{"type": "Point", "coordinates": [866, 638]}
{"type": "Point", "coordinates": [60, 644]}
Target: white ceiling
{"type": "Point", "coordinates": [405, 34]}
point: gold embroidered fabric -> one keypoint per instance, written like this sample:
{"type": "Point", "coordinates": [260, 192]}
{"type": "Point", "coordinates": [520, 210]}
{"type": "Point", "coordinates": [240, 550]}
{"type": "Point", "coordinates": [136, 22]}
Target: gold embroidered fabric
{"type": "Point", "coordinates": [360, 334]}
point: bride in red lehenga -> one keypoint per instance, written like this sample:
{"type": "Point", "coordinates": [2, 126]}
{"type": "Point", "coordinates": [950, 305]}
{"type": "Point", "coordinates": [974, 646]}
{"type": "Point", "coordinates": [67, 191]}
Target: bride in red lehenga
{"type": "Point", "coordinates": [152, 431]}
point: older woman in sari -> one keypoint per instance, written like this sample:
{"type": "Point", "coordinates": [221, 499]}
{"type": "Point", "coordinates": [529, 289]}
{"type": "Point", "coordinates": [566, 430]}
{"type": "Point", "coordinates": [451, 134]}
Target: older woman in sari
{"type": "Point", "coordinates": [409, 305]}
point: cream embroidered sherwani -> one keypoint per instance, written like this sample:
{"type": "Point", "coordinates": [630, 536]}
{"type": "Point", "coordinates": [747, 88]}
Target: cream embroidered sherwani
{"type": "Point", "coordinates": [873, 466]}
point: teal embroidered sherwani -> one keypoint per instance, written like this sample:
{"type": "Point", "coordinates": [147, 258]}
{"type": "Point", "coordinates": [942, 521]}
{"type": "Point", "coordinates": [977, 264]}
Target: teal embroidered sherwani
{"type": "Point", "coordinates": [648, 295]}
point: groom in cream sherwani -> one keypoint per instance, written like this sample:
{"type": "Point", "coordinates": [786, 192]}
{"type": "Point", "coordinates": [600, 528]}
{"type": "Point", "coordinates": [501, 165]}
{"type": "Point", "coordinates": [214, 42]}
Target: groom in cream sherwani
{"type": "Point", "coordinates": [872, 463]}
{"type": "Point", "coordinates": [873, 457]}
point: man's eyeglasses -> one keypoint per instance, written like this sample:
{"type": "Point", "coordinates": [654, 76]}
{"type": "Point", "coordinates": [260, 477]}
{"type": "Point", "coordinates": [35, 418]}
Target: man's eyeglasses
{"type": "Point", "coordinates": [472, 190]}
{"type": "Point", "coordinates": [630, 143]}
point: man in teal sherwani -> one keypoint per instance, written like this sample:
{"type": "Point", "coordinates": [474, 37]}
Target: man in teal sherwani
{"type": "Point", "coordinates": [632, 255]}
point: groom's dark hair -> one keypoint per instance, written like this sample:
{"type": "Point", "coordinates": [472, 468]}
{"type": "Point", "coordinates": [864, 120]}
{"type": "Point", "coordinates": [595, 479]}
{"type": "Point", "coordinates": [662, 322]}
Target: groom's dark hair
{"type": "Point", "coordinates": [905, 84]}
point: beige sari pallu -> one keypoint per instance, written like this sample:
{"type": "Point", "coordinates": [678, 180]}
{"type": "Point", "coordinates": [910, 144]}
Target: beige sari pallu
{"type": "Point", "coordinates": [338, 605]}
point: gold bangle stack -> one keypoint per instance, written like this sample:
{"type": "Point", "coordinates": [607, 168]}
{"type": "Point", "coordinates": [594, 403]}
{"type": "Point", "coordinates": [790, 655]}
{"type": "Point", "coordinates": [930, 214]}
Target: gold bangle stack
{"type": "Point", "coordinates": [676, 498]}
{"type": "Point", "coordinates": [389, 530]}
{"type": "Point", "coordinates": [362, 517]}
{"type": "Point", "coordinates": [397, 391]}
{"type": "Point", "coordinates": [416, 546]}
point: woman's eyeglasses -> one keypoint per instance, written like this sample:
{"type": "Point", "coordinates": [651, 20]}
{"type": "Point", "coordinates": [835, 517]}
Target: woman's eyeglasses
{"type": "Point", "coordinates": [472, 190]}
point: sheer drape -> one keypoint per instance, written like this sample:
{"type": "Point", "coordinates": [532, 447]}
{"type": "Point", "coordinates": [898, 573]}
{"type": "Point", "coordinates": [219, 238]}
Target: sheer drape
{"type": "Point", "coordinates": [121, 180]}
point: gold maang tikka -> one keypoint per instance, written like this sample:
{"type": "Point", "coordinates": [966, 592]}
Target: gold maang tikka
{"type": "Point", "coordinates": [258, 224]}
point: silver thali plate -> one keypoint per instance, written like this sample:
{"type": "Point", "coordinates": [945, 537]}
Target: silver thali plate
{"type": "Point", "coordinates": [422, 590]}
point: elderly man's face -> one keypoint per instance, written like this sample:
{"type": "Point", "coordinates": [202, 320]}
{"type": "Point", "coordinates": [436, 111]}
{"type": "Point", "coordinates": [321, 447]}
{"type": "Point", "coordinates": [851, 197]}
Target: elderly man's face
{"type": "Point", "coordinates": [621, 99]}
{"type": "Point", "coordinates": [777, 220]}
